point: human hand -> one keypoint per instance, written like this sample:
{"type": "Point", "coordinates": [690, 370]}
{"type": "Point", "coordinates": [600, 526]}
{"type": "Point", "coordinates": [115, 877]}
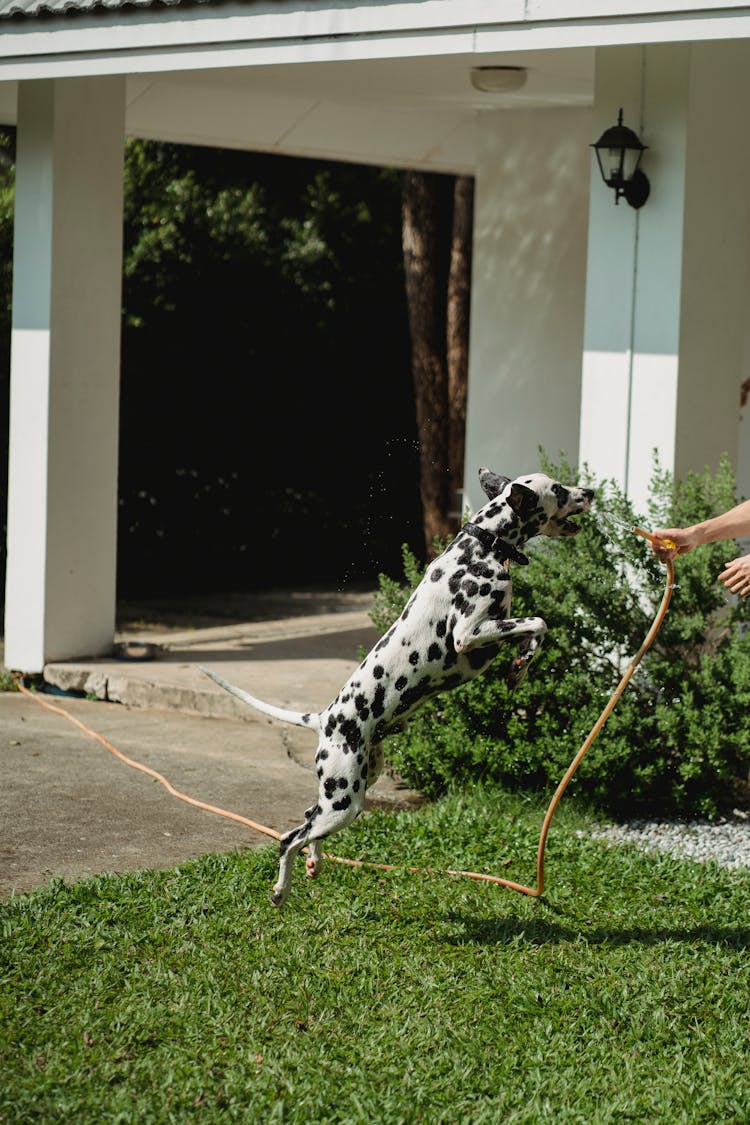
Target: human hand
{"type": "Point", "coordinates": [668, 542]}
{"type": "Point", "coordinates": [736, 576]}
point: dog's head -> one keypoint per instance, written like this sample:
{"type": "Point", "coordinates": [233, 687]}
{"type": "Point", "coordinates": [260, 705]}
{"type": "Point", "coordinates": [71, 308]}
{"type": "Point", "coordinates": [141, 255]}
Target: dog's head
{"type": "Point", "coordinates": [543, 506]}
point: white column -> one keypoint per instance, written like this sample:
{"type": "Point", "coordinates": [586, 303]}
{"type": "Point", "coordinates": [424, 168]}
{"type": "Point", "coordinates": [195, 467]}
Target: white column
{"type": "Point", "coordinates": [528, 283]}
{"type": "Point", "coordinates": [65, 356]}
{"type": "Point", "coordinates": [667, 286]}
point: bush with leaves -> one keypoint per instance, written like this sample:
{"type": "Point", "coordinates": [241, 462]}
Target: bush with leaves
{"type": "Point", "coordinates": [679, 740]}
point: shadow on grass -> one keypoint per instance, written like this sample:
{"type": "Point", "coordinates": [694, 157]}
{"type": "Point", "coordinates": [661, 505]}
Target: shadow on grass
{"type": "Point", "coordinates": [504, 931]}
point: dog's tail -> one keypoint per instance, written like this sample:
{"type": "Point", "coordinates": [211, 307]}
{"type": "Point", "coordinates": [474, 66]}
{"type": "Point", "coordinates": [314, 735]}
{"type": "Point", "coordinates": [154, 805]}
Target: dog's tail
{"type": "Point", "coordinates": [310, 720]}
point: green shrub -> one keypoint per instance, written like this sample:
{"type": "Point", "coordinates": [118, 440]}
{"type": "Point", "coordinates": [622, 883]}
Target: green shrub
{"type": "Point", "coordinates": [678, 740]}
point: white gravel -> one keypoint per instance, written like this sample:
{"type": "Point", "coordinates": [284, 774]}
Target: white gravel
{"type": "Point", "coordinates": [726, 842]}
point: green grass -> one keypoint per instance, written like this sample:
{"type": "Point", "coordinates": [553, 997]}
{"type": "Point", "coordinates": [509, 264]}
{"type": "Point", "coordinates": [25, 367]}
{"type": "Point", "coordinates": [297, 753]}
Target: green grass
{"type": "Point", "coordinates": [383, 998]}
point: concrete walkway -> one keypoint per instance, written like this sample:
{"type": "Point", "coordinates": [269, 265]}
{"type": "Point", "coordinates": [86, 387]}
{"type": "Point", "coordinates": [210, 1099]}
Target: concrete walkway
{"type": "Point", "coordinates": [70, 809]}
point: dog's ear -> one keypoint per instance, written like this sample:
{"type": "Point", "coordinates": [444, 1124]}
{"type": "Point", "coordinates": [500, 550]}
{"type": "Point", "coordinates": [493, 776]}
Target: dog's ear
{"type": "Point", "coordinates": [492, 484]}
{"type": "Point", "coordinates": [522, 500]}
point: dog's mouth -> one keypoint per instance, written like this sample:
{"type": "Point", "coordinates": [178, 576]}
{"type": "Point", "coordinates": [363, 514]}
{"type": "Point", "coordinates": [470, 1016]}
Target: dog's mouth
{"type": "Point", "coordinates": [569, 528]}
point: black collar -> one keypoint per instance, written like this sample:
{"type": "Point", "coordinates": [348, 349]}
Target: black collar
{"type": "Point", "coordinates": [495, 544]}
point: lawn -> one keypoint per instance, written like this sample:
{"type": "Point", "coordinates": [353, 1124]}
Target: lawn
{"type": "Point", "coordinates": [182, 995]}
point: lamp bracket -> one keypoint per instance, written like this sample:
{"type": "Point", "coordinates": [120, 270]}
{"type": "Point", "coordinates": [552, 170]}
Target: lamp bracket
{"type": "Point", "coordinates": [636, 190]}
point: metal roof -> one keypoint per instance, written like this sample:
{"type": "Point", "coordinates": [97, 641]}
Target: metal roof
{"type": "Point", "coordinates": [39, 8]}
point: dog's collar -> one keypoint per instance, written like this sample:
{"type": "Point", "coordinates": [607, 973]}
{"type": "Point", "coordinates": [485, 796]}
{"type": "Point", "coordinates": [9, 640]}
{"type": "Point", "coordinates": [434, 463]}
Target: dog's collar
{"type": "Point", "coordinates": [495, 544]}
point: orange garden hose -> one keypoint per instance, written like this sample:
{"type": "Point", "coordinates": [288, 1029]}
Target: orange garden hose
{"type": "Point", "coordinates": [533, 892]}
{"type": "Point", "coordinates": [147, 769]}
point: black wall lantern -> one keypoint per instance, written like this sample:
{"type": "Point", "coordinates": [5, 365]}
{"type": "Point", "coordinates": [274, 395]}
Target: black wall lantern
{"type": "Point", "coordinates": [619, 153]}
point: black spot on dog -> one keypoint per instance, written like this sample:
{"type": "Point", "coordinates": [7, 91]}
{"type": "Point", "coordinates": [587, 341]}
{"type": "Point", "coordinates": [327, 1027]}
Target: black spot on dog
{"type": "Point", "coordinates": [385, 639]}
{"type": "Point", "coordinates": [434, 652]}
{"type": "Point", "coordinates": [496, 608]}
{"type": "Point", "coordinates": [378, 671]}
{"type": "Point", "coordinates": [401, 683]}
{"type": "Point", "coordinates": [342, 804]}
{"type": "Point", "coordinates": [350, 730]}
{"type": "Point", "coordinates": [409, 604]}
{"type": "Point", "coordinates": [378, 701]}
{"type": "Point", "coordinates": [451, 657]}
{"type": "Point", "coordinates": [454, 582]}
{"type": "Point", "coordinates": [463, 605]}
{"type": "Point", "coordinates": [441, 627]}
{"type": "Point", "coordinates": [286, 841]}
{"type": "Point", "coordinates": [437, 574]}
{"type": "Point", "coordinates": [413, 695]}
{"type": "Point", "coordinates": [561, 493]}
{"type": "Point", "coordinates": [414, 657]}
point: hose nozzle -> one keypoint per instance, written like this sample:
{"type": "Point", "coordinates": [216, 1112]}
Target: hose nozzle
{"type": "Point", "coordinates": [669, 544]}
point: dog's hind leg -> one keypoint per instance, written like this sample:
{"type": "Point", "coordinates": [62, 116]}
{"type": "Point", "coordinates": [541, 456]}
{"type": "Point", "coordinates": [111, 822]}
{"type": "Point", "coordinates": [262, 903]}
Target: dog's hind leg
{"type": "Point", "coordinates": [314, 860]}
{"type": "Point", "coordinates": [322, 823]}
{"type": "Point", "coordinates": [375, 763]}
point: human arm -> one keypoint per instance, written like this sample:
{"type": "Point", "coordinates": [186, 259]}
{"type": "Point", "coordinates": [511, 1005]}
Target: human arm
{"type": "Point", "coordinates": [729, 525]}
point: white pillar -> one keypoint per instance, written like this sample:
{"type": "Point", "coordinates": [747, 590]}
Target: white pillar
{"type": "Point", "coordinates": [528, 284]}
{"type": "Point", "coordinates": [667, 286]}
{"type": "Point", "coordinates": [65, 356]}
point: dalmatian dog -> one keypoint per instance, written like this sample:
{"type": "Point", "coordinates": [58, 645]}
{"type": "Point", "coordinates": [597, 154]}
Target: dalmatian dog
{"type": "Point", "coordinates": [452, 628]}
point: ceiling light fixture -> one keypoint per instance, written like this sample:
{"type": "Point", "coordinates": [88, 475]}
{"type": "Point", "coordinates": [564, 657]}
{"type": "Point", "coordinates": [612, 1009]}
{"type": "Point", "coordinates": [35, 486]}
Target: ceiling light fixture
{"type": "Point", "coordinates": [498, 79]}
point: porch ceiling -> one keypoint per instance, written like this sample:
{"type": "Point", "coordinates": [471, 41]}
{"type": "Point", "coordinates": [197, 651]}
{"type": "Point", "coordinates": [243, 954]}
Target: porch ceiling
{"type": "Point", "coordinates": [415, 112]}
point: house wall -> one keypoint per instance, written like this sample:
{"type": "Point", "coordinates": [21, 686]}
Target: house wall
{"type": "Point", "coordinates": [665, 349]}
{"type": "Point", "coordinates": [528, 285]}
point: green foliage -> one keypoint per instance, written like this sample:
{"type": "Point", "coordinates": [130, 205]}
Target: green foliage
{"type": "Point", "coordinates": [391, 595]}
{"type": "Point", "coordinates": [255, 291]}
{"type": "Point", "coordinates": [179, 996]}
{"type": "Point", "coordinates": [678, 740]}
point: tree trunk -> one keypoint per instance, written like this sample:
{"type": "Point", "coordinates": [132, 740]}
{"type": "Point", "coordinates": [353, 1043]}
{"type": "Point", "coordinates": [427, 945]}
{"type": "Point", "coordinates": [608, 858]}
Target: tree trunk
{"type": "Point", "coordinates": [426, 304]}
{"type": "Point", "coordinates": [457, 333]}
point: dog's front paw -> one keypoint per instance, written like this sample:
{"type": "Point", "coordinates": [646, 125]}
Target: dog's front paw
{"type": "Point", "coordinates": [516, 671]}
